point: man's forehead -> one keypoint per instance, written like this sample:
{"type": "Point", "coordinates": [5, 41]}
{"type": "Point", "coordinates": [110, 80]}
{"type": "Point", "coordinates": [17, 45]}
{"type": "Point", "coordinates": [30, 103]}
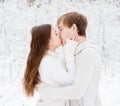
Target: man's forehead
{"type": "Point", "coordinates": [60, 24]}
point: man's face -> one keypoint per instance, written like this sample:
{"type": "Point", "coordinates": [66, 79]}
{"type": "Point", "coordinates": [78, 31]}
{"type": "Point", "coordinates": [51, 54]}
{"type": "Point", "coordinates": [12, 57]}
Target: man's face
{"type": "Point", "coordinates": [64, 32]}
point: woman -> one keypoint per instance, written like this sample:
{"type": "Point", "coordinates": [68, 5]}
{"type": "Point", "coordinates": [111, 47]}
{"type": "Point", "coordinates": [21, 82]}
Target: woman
{"type": "Point", "coordinates": [43, 63]}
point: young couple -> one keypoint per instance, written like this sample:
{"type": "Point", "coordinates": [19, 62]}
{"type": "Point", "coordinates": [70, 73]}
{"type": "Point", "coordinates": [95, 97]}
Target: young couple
{"type": "Point", "coordinates": [69, 81]}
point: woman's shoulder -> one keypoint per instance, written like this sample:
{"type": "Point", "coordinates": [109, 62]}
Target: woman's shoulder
{"type": "Point", "coordinates": [45, 63]}
{"type": "Point", "coordinates": [48, 62]}
{"type": "Point", "coordinates": [47, 59]}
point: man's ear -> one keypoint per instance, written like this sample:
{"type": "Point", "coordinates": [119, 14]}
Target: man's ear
{"type": "Point", "coordinates": [74, 27]}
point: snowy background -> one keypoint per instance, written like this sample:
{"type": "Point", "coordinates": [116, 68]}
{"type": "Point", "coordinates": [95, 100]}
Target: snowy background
{"type": "Point", "coordinates": [18, 16]}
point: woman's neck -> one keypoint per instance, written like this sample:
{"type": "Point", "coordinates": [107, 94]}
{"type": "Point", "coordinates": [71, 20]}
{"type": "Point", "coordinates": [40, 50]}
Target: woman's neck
{"type": "Point", "coordinates": [51, 49]}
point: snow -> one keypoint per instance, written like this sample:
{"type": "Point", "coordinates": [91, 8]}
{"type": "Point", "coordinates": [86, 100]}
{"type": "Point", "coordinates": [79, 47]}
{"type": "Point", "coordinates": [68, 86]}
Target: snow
{"type": "Point", "coordinates": [16, 20]}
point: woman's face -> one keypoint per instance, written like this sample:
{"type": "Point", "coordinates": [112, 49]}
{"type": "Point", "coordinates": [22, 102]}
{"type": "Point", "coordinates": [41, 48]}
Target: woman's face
{"type": "Point", "coordinates": [55, 40]}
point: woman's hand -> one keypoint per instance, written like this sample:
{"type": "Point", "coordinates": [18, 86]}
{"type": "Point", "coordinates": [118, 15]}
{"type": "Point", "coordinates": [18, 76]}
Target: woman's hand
{"type": "Point", "coordinates": [69, 49]}
{"type": "Point", "coordinates": [75, 36]}
{"type": "Point", "coordinates": [37, 85]}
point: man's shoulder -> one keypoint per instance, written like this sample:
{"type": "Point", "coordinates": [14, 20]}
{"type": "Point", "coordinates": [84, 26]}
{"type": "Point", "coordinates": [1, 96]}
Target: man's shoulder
{"type": "Point", "coordinates": [88, 51]}
{"type": "Point", "coordinates": [87, 46]}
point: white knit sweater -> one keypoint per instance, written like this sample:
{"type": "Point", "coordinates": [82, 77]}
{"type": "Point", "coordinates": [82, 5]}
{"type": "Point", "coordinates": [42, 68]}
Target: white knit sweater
{"type": "Point", "coordinates": [53, 73]}
{"type": "Point", "coordinates": [84, 90]}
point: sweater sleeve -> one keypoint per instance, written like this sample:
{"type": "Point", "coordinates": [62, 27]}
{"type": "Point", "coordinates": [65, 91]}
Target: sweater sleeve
{"type": "Point", "coordinates": [87, 64]}
{"type": "Point", "coordinates": [54, 70]}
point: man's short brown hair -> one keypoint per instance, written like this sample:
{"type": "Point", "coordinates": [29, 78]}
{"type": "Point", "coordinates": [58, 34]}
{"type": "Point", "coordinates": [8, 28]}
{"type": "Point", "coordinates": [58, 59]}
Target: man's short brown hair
{"type": "Point", "coordinates": [74, 18]}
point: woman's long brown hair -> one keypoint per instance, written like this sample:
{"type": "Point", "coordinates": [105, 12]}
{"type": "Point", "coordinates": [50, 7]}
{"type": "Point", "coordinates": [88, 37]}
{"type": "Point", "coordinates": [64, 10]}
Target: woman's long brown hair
{"type": "Point", "coordinates": [39, 45]}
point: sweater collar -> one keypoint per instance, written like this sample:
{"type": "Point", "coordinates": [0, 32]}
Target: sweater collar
{"type": "Point", "coordinates": [51, 53]}
{"type": "Point", "coordinates": [84, 45]}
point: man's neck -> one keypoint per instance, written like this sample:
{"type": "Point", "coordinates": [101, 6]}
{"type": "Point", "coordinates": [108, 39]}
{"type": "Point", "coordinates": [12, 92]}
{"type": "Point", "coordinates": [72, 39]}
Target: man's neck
{"type": "Point", "coordinates": [81, 39]}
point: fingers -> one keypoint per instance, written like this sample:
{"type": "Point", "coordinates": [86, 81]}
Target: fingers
{"type": "Point", "coordinates": [74, 38]}
{"type": "Point", "coordinates": [63, 42]}
{"type": "Point", "coordinates": [37, 85]}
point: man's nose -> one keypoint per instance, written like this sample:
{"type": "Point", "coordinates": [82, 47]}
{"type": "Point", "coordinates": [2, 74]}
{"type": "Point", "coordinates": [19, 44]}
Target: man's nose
{"type": "Point", "coordinates": [59, 34]}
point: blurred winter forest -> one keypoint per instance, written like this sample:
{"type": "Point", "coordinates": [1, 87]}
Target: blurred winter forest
{"type": "Point", "coordinates": [17, 17]}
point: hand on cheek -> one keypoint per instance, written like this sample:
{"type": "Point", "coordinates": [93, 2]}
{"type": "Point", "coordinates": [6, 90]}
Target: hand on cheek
{"type": "Point", "coordinates": [63, 42]}
{"type": "Point", "coordinates": [74, 36]}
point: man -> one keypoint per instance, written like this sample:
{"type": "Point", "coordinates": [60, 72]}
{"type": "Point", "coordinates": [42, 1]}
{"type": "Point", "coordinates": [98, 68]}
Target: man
{"type": "Point", "coordinates": [84, 90]}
